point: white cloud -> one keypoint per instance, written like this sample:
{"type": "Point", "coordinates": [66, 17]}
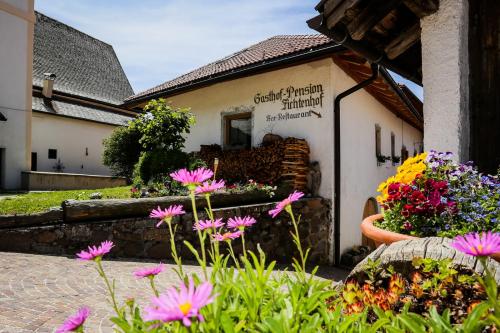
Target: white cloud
{"type": "Point", "coordinates": [159, 40]}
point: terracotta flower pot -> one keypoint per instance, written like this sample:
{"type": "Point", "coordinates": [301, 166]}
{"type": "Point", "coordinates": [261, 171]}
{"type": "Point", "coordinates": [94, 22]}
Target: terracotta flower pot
{"type": "Point", "coordinates": [381, 236]}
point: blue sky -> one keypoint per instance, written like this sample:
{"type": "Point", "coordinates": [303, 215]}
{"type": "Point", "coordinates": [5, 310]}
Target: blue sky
{"type": "Point", "coordinates": [158, 40]}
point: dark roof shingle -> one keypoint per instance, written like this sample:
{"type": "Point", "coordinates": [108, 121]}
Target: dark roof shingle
{"type": "Point", "coordinates": [72, 110]}
{"type": "Point", "coordinates": [84, 66]}
{"type": "Point", "coordinates": [268, 49]}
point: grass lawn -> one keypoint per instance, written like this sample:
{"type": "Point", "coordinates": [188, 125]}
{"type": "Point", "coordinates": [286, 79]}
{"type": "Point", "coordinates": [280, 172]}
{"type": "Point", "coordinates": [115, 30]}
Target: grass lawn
{"type": "Point", "coordinates": [41, 201]}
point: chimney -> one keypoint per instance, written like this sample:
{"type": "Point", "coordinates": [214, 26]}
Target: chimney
{"type": "Point", "coordinates": [48, 84]}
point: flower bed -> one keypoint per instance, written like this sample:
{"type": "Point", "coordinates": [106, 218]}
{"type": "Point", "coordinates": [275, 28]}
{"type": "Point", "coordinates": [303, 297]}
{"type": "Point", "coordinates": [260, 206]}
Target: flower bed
{"type": "Point", "coordinates": [431, 284]}
{"type": "Point", "coordinates": [433, 196]}
{"type": "Point", "coordinates": [240, 294]}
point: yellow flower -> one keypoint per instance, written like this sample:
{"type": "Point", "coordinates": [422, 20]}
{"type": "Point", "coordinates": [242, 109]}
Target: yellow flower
{"type": "Point", "coordinates": [406, 174]}
{"type": "Point", "coordinates": [382, 187]}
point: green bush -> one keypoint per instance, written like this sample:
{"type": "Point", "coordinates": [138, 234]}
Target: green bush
{"type": "Point", "coordinates": [150, 147]}
{"type": "Point", "coordinates": [155, 166]}
{"type": "Point", "coordinates": [122, 150]}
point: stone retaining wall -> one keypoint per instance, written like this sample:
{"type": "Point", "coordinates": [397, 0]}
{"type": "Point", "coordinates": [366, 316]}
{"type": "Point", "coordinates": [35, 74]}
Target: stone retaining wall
{"type": "Point", "coordinates": [139, 238]}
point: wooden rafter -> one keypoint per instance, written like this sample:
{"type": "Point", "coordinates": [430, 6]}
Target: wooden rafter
{"type": "Point", "coordinates": [370, 16]}
{"type": "Point", "coordinates": [339, 10]}
{"type": "Point", "coordinates": [403, 41]}
{"type": "Point", "coordinates": [422, 8]}
{"type": "Point", "coordinates": [379, 89]}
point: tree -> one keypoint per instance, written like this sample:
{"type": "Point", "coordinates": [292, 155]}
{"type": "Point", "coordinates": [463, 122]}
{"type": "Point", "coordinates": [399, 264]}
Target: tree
{"type": "Point", "coordinates": [122, 150]}
{"type": "Point", "coordinates": [162, 126]}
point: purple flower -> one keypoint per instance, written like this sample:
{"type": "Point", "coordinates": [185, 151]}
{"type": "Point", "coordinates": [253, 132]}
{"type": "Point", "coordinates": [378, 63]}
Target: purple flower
{"type": "Point", "coordinates": [208, 224]}
{"type": "Point", "coordinates": [407, 226]}
{"type": "Point", "coordinates": [95, 253]}
{"type": "Point", "coordinates": [149, 272]}
{"type": "Point", "coordinates": [240, 222]}
{"type": "Point", "coordinates": [180, 304]}
{"type": "Point", "coordinates": [168, 213]}
{"type": "Point", "coordinates": [476, 244]}
{"type": "Point", "coordinates": [74, 322]}
{"type": "Point", "coordinates": [209, 187]}
{"type": "Point", "coordinates": [192, 178]}
{"type": "Point", "coordinates": [296, 195]}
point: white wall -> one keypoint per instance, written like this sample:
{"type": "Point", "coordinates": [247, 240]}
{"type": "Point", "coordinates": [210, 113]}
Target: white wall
{"type": "Point", "coordinates": [208, 103]}
{"type": "Point", "coordinates": [445, 69]}
{"type": "Point", "coordinates": [360, 113]}
{"type": "Point", "coordinates": [16, 51]}
{"type": "Point", "coordinates": [360, 174]}
{"type": "Point", "coordinates": [70, 137]}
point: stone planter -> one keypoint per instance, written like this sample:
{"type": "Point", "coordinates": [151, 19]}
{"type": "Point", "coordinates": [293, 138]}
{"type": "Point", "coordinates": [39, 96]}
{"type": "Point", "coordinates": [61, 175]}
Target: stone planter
{"type": "Point", "coordinates": [381, 236]}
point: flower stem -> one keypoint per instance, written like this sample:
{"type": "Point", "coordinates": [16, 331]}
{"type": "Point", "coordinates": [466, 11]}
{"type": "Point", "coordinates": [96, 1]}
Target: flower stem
{"type": "Point", "coordinates": [243, 243]}
{"type": "Point", "coordinates": [111, 288]}
{"type": "Point", "coordinates": [232, 255]}
{"type": "Point", "coordinates": [491, 287]}
{"type": "Point", "coordinates": [173, 248]}
{"type": "Point", "coordinates": [297, 238]}
{"type": "Point", "coordinates": [210, 212]}
{"type": "Point", "coordinates": [152, 283]}
{"type": "Point", "coordinates": [201, 237]}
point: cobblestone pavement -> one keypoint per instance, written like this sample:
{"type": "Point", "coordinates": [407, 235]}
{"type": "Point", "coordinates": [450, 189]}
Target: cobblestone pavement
{"type": "Point", "coordinates": [38, 292]}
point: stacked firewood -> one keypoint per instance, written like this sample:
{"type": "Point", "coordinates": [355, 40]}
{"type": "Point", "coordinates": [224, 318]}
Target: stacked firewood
{"type": "Point", "coordinates": [261, 164]}
{"type": "Point", "coordinates": [275, 161]}
{"type": "Point", "coordinates": [295, 166]}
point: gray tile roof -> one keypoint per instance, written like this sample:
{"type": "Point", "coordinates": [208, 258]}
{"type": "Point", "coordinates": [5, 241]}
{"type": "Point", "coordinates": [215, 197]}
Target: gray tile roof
{"type": "Point", "coordinates": [84, 66]}
{"type": "Point", "coordinates": [79, 111]}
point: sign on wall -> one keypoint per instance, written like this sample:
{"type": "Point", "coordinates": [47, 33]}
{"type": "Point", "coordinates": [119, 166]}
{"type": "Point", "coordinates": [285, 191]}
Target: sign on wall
{"type": "Point", "coordinates": [293, 98]}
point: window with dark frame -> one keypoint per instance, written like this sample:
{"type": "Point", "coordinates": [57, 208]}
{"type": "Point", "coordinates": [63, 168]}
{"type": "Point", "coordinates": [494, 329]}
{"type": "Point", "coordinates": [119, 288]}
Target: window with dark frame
{"type": "Point", "coordinates": [52, 154]}
{"type": "Point", "coordinates": [404, 154]}
{"type": "Point", "coordinates": [238, 130]}
{"type": "Point", "coordinates": [34, 161]}
{"type": "Point", "coordinates": [378, 150]}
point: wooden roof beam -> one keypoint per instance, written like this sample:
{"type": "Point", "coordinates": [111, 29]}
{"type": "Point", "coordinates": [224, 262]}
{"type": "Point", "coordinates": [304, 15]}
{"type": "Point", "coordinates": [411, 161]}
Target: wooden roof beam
{"type": "Point", "coordinates": [370, 16]}
{"type": "Point", "coordinates": [340, 7]}
{"type": "Point", "coordinates": [403, 41]}
{"type": "Point", "coordinates": [422, 8]}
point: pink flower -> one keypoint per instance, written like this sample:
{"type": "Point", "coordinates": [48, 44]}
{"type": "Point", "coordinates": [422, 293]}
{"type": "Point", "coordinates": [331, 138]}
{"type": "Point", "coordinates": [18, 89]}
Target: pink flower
{"type": "Point", "coordinates": [477, 244]}
{"type": "Point", "coordinates": [192, 178]}
{"type": "Point", "coordinates": [209, 187]}
{"type": "Point", "coordinates": [296, 195]}
{"type": "Point", "coordinates": [240, 222]}
{"type": "Point", "coordinates": [149, 271]}
{"type": "Point", "coordinates": [74, 322]}
{"type": "Point", "coordinates": [208, 224]}
{"type": "Point", "coordinates": [166, 214]}
{"type": "Point", "coordinates": [228, 236]}
{"type": "Point", "coordinates": [180, 304]}
{"type": "Point", "coordinates": [94, 252]}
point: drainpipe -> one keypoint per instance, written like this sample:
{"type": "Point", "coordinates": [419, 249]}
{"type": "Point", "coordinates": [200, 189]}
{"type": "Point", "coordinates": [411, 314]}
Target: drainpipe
{"type": "Point", "coordinates": [337, 155]}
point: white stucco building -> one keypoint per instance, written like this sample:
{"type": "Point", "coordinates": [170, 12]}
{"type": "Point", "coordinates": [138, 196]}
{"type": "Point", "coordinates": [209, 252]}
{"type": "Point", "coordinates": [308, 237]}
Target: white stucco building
{"type": "Point", "coordinates": [16, 49]}
{"type": "Point", "coordinates": [286, 85]}
{"type": "Point", "coordinates": [80, 105]}
{"type": "Point", "coordinates": [60, 96]}
{"type": "Point", "coordinates": [451, 47]}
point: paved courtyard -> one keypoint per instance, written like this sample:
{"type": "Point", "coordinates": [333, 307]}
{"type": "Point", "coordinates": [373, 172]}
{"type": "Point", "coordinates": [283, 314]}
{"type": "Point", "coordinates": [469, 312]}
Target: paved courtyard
{"type": "Point", "coordinates": [38, 292]}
